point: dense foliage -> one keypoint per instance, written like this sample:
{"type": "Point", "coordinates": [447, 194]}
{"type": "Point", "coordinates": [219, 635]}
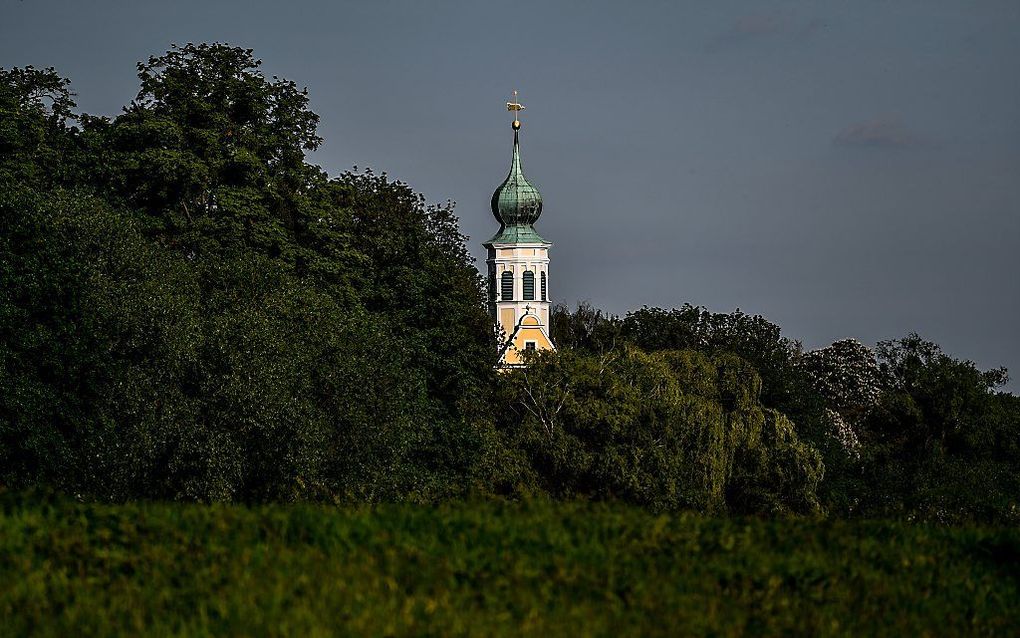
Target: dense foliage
{"type": "Point", "coordinates": [189, 310]}
{"type": "Point", "coordinates": [904, 430]}
{"type": "Point", "coordinates": [532, 568]}
{"type": "Point", "coordinates": [941, 444]}
{"type": "Point", "coordinates": [670, 430]}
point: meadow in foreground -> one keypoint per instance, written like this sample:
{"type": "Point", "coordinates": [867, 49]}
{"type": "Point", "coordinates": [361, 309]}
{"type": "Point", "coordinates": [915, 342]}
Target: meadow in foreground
{"type": "Point", "coordinates": [490, 568]}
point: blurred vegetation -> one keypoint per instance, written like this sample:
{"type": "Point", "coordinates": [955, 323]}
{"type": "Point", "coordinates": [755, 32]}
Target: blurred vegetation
{"type": "Point", "coordinates": [491, 568]}
{"type": "Point", "coordinates": [191, 311]}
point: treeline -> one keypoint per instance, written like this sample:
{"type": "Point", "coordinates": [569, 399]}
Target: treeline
{"type": "Point", "coordinates": [904, 430]}
{"type": "Point", "coordinates": [191, 311]}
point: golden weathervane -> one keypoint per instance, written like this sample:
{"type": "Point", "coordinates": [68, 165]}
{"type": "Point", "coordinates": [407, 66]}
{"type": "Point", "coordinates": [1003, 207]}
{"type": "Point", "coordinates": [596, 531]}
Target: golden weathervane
{"type": "Point", "coordinates": [515, 107]}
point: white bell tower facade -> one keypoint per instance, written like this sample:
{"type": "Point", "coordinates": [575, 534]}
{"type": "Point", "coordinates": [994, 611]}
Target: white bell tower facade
{"type": "Point", "coordinates": [519, 283]}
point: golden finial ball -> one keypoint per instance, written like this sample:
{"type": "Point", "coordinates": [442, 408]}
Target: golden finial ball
{"type": "Point", "coordinates": [517, 124]}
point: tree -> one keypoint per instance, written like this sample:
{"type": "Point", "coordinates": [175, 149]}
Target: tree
{"type": "Point", "coordinates": [35, 108]}
{"type": "Point", "coordinates": [417, 271]}
{"type": "Point", "coordinates": [669, 430]}
{"type": "Point", "coordinates": [586, 328]}
{"type": "Point", "coordinates": [846, 375]}
{"type": "Point", "coordinates": [753, 338]}
{"type": "Point", "coordinates": [212, 153]}
{"type": "Point", "coordinates": [941, 444]}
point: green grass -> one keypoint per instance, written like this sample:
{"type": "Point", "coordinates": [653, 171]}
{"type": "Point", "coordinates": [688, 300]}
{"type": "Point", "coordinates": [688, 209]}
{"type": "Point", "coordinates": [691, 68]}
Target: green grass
{"type": "Point", "coordinates": [491, 568]}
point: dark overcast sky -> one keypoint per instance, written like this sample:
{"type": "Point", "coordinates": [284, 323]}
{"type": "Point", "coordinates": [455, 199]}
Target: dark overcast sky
{"type": "Point", "coordinates": [844, 168]}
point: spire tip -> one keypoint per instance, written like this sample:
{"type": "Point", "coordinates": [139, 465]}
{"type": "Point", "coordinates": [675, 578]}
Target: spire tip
{"type": "Point", "coordinates": [515, 107]}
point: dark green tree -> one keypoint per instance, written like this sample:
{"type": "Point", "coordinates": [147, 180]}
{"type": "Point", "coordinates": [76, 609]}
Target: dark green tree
{"type": "Point", "coordinates": [942, 445]}
{"type": "Point", "coordinates": [586, 328]}
{"type": "Point", "coordinates": [36, 112]}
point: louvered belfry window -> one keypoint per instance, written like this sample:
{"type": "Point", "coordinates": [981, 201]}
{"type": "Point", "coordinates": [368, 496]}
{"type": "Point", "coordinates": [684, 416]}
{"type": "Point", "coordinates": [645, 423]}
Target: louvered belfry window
{"type": "Point", "coordinates": [545, 296]}
{"type": "Point", "coordinates": [529, 285]}
{"type": "Point", "coordinates": [506, 292]}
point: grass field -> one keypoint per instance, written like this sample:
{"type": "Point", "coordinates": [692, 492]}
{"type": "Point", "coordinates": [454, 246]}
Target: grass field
{"type": "Point", "coordinates": [491, 568]}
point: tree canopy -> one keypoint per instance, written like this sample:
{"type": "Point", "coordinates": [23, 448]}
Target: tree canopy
{"type": "Point", "coordinates": [193, 311]}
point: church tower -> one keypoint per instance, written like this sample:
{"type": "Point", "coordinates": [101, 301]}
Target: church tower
{"type": "Point", "coordinates": [518, 262]}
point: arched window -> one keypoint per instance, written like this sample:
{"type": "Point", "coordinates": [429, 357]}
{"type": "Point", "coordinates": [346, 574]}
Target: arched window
{"type": "Point", "coordinates": [529, 285]}
{"type": "Point", "coordinates": [507, 286]}
{"type": "Point", "coordinates": [545, 294]}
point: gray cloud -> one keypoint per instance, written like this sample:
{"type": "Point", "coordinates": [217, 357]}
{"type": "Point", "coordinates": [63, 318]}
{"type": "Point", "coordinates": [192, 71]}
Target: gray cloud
{"type": "Point", "coordinates": [878, 133]}
{"type": "Point", "coordinates": [759, 24]}
{"type": "Point", "coordinates": [768, 25]}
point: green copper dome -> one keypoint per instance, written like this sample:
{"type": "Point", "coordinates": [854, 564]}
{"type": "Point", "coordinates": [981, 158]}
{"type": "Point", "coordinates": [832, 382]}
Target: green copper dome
{"type": "Point", "coordinates": [516, 204]}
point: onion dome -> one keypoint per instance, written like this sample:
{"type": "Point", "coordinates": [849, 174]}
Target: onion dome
{"type": "Point", "coordinates": [516, 204]}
